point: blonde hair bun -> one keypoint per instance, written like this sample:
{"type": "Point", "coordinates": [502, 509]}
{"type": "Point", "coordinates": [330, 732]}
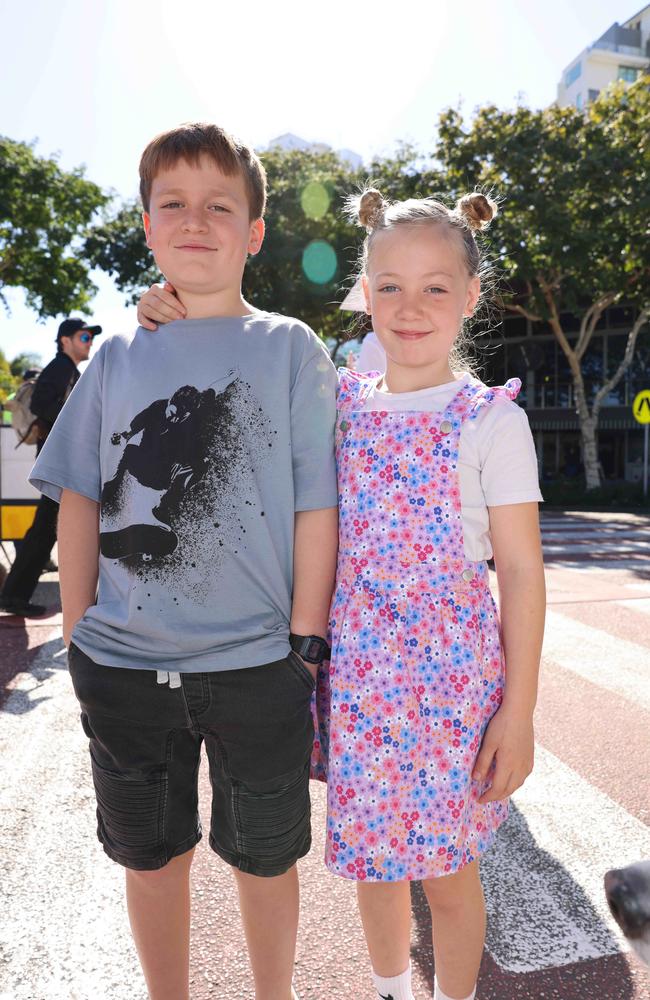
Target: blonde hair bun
{"type": "Point", "coordinates": [477, 210]}
{"type": "Point", "coordinates": [370, 208]}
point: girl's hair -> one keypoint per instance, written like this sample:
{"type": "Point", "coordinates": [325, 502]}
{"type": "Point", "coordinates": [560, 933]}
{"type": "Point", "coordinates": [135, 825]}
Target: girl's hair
{"type": "Point", "coordinates": [471, 214]}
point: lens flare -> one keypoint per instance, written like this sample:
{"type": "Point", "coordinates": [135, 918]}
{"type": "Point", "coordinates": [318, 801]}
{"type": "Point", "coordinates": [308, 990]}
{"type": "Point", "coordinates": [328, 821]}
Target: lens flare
{"type": "Point", "coordinates": [315, 200]}
{"type": "Point", "coordinates": [319, 262]}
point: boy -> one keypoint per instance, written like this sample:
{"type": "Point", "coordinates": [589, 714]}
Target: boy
{"type": "Point", "coordinates": [195, 472]}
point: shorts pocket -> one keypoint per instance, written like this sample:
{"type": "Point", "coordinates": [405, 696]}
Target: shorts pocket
{"type": "Point", "coordinates": [273, 825]}
{"type": "Point", "coordinates": [299, 668]}
{"type": "Point", "coordinates": [131, 814]}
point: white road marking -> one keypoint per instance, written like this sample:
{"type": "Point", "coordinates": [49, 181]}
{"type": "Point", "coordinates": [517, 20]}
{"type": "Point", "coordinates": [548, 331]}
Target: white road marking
{"type": "Point", "coordinates": [544, 878]}
{"type": "Point", "coordinates": [616, 664]}
{"type": "Point", "coordinates": [641, 604]}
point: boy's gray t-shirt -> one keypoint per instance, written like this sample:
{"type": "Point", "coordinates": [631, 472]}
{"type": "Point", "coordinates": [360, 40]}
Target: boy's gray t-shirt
{"type": "Point", "coordinates": [200, 441]}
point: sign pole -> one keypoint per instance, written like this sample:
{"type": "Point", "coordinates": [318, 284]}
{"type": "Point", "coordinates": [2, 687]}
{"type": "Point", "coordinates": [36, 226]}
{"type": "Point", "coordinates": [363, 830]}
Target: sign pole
{"type": "Point", "coordinates": [645, 460]}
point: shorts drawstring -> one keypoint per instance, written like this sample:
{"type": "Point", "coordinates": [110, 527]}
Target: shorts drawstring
{"type": "Point", "coordinates": [164, 676]}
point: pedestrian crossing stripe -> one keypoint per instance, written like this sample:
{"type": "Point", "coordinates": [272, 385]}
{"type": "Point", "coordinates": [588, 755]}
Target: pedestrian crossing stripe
{"type": "Point", "coordinates": [618, 665]}
{"type": "Point", "coordinates": [543, 878]}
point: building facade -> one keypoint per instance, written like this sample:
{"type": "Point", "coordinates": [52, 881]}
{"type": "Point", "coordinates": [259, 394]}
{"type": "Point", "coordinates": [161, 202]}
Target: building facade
{"type": "Point", "coordinates": [621, 53]}
{"type": "Point", "coordinates": [532, 353]}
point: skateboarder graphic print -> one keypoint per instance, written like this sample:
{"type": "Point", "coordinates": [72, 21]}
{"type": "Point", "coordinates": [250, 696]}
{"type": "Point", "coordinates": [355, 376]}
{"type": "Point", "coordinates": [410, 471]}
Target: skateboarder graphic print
{"type": "Point", "coordinates": [184, 449]}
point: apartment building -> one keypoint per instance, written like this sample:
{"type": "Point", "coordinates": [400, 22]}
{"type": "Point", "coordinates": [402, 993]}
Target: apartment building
{"type": "Point", "coordinates": [621, 53]}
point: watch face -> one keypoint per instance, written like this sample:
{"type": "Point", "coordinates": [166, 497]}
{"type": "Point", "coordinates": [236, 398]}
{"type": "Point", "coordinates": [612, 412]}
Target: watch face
{"type": "Point", "coordinates": [311, 648]}
{"type": "Point", "coordinates": [314, 650]}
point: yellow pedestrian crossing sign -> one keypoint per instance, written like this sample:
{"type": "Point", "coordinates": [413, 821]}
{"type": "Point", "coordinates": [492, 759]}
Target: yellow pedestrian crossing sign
{"type": "Point", "coordinates": [641, 406]}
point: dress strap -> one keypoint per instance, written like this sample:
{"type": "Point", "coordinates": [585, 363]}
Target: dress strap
{"type": "Point", "coordinates": [488, 394]}
{"type": "Point", "coordinates": [470, 400]}
{"type": "Point", "coordinates": [355, 387]}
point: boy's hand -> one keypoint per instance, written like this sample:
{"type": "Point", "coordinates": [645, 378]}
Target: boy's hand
{"type": "Point", "coordinates": [509, 744]}
{"type": "Point", "coordinates": [159, 305]}
{"type": "Point", "coordinates": [311, 667]}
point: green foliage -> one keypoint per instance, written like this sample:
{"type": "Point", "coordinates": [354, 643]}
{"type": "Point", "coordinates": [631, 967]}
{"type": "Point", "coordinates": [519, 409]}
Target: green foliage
{"type": "Point", "coordinates": [22, 362]}
{"type": "Point", "coordinates": [275, 279]}
{"type": "Point", "coordinates": [117, 245]}
{"type": "Point", "coordinates": [8, 382]}
{"type": "Point", "coordinates": [575, 190]}
{"type": "Point", "coordinates": [43, 212]}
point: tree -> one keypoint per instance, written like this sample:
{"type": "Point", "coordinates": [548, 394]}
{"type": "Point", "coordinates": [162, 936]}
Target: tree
{"type": "Point", "coordinates": [117, 245]}
{"type": "Point", "coordinates": [310, 247]}
{"type": "Point", "coordinates": [572, 232]}
{"type": "Point", "coordinates": [43, 212]}
{"type": "Point", "coordinates": [8, 382]}
{"type": "Point", "coordinates": [22, 362]}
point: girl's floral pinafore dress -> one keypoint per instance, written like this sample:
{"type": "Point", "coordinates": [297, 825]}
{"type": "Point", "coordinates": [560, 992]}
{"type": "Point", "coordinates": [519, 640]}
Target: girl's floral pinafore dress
{"type": "Point", "coordinates": [417, 667]}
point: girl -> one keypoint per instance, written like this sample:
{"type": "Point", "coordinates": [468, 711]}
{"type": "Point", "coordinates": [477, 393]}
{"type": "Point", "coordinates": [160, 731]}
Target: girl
{"type": "Point", "coordinates": [426, 711]}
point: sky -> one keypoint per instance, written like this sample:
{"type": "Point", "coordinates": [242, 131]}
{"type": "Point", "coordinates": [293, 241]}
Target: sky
{"type": "Point", "coordinates": [93, 82]}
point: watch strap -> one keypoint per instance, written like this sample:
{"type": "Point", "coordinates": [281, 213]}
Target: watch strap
{"type": "Point", "coordinates": [312, 648]}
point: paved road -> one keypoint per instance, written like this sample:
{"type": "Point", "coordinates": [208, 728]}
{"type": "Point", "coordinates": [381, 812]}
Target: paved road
{"type": "Point", "coordinates": [63, 932]}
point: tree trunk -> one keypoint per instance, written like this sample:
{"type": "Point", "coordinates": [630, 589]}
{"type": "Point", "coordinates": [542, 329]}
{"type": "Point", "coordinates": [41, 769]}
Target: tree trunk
{"type": "Point", "coordinates": [590, 453]}
{"type": "Point", "coordinates": [588, 424]}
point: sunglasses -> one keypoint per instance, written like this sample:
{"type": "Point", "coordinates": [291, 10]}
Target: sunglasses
{"type": "Point", "coordinates": [86, 338]}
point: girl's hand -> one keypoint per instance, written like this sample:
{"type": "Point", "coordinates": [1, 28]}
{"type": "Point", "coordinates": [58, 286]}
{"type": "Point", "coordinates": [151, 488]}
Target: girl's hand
{"type": "Point", "coordinates": [159, 305]}
{"type": "Point", "coordinates": [508, 746]}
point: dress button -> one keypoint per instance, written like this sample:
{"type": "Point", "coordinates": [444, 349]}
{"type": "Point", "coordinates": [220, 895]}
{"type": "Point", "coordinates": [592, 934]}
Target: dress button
{"type": "Point", "coordinates": [468, 574]}
{"type": "Point", "coordinates": [445, 427]}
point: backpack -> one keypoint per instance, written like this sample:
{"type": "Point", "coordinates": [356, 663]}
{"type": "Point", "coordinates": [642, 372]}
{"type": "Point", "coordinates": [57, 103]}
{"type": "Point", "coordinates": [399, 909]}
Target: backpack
{"type": "Point", "coordinates": [24, 422]}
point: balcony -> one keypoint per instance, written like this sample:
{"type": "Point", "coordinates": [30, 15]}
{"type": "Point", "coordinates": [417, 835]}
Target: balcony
{"type": "Point", "coordinates": [626, 41]}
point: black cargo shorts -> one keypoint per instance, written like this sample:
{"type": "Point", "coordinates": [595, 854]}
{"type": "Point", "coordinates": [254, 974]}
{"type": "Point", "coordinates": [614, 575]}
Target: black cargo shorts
{"type": "Point", "coordinates": [145, 744]}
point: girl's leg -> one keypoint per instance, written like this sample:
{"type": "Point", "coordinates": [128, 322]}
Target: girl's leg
{"type": "Point", "coordinates": [159, 912]}
{"type": "Point", "coordinates": [458, 915]}
{"type": "Point", "coordinates": [385, 909]}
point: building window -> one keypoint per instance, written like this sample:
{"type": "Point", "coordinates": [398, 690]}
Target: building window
{"type": "Point", "coordinates": [579, 102]}
{"type": "Point", "coordinates": [628, 73]}
{"type": "Point", "coordinates": [572, 74]}
{"type": "Point", "coordinates": [593, 95]}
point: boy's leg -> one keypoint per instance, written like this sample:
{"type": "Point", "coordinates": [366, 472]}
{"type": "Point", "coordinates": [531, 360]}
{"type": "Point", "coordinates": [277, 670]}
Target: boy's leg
{"type": "Point", "coordinates": [269, 910]}
{"type": "Point", "coordinates": [159, 913]}
{"type": "Point", "coordinates": [458, 915]}
{"type": "Point", "coordinates": [145, 760]}
{"type": "Point", "coordinates": [259, 746]}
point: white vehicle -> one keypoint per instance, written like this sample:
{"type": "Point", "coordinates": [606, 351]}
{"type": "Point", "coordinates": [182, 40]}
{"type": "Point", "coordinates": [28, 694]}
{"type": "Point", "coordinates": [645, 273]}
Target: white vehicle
{"type": "Point", "coordinates": [17, 498]}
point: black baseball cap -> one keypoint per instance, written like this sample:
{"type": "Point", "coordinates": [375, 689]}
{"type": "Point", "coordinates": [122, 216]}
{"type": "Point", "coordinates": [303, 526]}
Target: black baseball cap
{"type": "Point", "coordinates": [69, 327]}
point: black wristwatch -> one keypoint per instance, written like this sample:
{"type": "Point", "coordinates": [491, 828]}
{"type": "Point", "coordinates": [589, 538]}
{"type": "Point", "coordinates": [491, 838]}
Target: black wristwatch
{"type": "Point", "coordinates": [311, 648]}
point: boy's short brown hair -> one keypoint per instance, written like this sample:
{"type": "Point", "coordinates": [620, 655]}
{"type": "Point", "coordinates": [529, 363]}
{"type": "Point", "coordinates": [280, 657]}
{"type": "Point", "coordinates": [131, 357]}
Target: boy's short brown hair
{"type": "Point", "coordinates": [192, 140]}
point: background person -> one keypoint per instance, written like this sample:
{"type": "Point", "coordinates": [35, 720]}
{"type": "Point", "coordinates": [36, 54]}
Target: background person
{"type": "Point", "coordinates": [55, 383]}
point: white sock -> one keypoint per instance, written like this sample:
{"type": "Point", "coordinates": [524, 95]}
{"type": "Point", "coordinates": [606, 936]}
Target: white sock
{"type": "Point", "coordinates": [439, 995]}
{"type": "Point", "coordinates": [395, 987]}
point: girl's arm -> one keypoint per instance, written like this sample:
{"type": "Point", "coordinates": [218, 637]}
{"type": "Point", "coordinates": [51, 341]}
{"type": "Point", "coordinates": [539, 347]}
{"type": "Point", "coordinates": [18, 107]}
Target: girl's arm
{"type": "Point", "coordinates": [78, 548]}
{"type": "Point", "coordinates": [509, 738]}
{"type": "Point", "coordinates": [159, 305]}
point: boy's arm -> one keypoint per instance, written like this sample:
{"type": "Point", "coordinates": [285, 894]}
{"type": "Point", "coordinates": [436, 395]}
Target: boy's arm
{"type": "Point", "coordinates": [78, 547]}
{"type": "Point", "coordinates": [314, 567]}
